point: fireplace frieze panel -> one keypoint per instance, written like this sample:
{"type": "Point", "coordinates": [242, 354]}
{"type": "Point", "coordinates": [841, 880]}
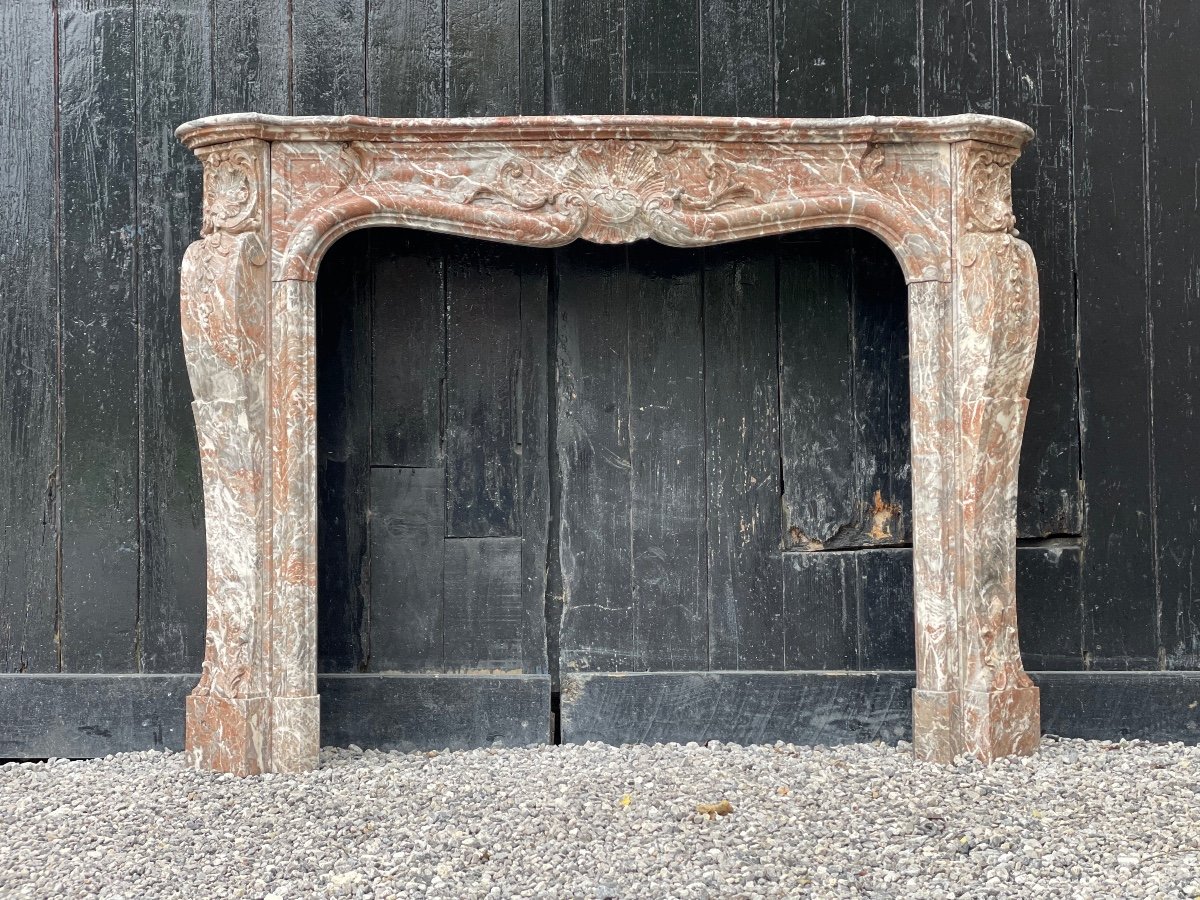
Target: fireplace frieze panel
{"type": "Point", "coordinates": [613, 191]}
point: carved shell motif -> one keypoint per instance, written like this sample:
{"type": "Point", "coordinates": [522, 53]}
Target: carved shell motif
{"type": "Point", "coordinates": [614, 191]}
{"type": "Point", "coordinates": [990, 201]}
{"type": "Point", "coordinates": [231, 202]}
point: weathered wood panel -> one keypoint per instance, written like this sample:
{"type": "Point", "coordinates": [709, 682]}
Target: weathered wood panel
{"type": "Point", "coordinates": [173, 80]}
{"type": "Point", "coordinates": [328, 57]}
{"type": "Point", "coordinates": [485, 620]}
{"type": "Point", "coordinates": [434, 712]}
{"type": "Point", "coordinates": [1049, 607]}
{"type": "Point", "coordinates": [882, 492]}
{"type": "Point", "coordinates": [883, 57]}
{"type": "Point", "coordinates": [94, 715]}
{"type": "Point", "coordinates": [593, 460]}
{"type": "Point", "coordinates": [251, 52]}
{"type": "Point", "coordinates": [405, 61]}
{"type": "Point", "coordinates": [746, 708]}
{"type": "Point", "coordinates": [667, 435]}
{"type": "Point", "coordinates": [820, 602]}
{"type": "Point", "coordinates": [586, 65]}
{"type": "Point", "coordinates": [839, 708]}
{"type": "Point", "coordinates": [957, 59]}
{"type": "Point", "coordinates": [483, 372]}
{"type": "Point", "coordinates": [741, 411]}
{"type": "Point", "coordinates": [81, 716]}
{"type": "Point", "coordinates": [736, 58]}
{"type": "Point", "coordinates": [662, 57]}
{"type": "Point", "coordinates": [101, 385]}
{"type": "Point", "coordinates": [818, 431]}
{"type": "Point", "coordinates": [407, 531]}
{"type": "Point", "coordinates": [29, 377]}
{"type": "Point", "coordinates": [810, 53]}
{"type": "Point", "coordinates": [1033, 85]}
{"type": "Point", "coordinates": [1173, 194]}
{"type": "Point", "coordinates": [344, 394]}
{"type": "Point", "coordinates": [1114, 341]}
{"type": "Point", "coordinates": [409, 356]}
{"type": "Point", "coordinates": [483, 38]}
{"type": "Point", "coordinates": [537, 345]}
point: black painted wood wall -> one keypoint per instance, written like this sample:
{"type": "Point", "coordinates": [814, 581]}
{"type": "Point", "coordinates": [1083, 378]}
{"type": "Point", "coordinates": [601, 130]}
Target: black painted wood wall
{"type": "Point", "coordinates": [598, 459]}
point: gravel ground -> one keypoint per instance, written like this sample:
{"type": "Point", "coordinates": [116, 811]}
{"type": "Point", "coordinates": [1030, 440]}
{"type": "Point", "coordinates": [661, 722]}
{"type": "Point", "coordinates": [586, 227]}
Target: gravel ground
{"type": "Point", "coordinates": [1081, 819]}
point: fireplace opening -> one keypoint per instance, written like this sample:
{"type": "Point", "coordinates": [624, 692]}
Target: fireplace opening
{"type": "Point", "coordinates": [556, 463]}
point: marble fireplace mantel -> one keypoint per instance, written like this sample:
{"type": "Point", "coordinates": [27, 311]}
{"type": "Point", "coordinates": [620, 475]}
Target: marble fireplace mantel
{"type": "Point", "coordinates": [279, 191]}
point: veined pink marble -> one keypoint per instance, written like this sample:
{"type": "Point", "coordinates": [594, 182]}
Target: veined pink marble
{"type": "Point", "coordinates": [279, 191]}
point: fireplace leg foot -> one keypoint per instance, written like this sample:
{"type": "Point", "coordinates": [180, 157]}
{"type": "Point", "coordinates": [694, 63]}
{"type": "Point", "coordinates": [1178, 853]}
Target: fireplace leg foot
{"type": "Point", "coordinates": [223, 735]}
{"type": "Point", "coordinates": [295, 733]}
{"type": "Point", "coordinates": [1001, 723]}
{"type": "Point", "coordinates": [983, 724]}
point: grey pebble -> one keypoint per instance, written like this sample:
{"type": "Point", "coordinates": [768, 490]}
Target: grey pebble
{"type": "Point", "coordinates": [1080, 819]}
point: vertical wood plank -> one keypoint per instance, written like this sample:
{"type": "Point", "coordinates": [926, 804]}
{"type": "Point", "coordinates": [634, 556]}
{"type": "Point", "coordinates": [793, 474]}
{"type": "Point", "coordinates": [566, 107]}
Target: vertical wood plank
{"type": "Point", "coordinates": [100, 385]}
{"type": "Point", "coordinates": [483, 370]}
{"type": "Point", "coordinates": [29, 377]}
{"type": "Point", "coordinates": [1049, 605]}
{"type": "Point", "coordinates": [594, 465]}
{"type": "Point", "coordinates": [536, 455]}
{"type": "Point", "coordinates": [821, 600]}
{"type": "Point", "coordinates": [534, 100]}
{"type": "Point", "coordinates": [590, 568]}
{"type": "Point", "coordinates": [816, 407]}
{"type": "Point", "coordinates": [483, 38]}
{"type": "Point", "coordinates": [405, 64]}
{"type": "Point", "coordinates": [886, 633]}
{"type": "Point", "coordinates": [343, 454]}
{"type": "Point", "coordinates": [173, 84]}
{"type": "Point", "coordinates": [587, 56]}
{"type": "Point", "coordinates": [1173, 193]}
{"type": "Point", "coordinates": [810, 50]}
{"type": "Point", "coordinates": [741, 397]}
{"type": "Point", "coordinates": [407, 526]}
{"type": "Point", "coordinates": [485, 618]}
{"type": "Point", "coordinates": [737, 58]}
{"type": "Point", "coordinates": [1114, 344]}
{"type": "Point", "coordinates": [1033, 85]}
{"type": "Point", "coordinates": [409, 338]}
{"type": "Point", "coordinates": [667, 437]}
{"type": "Point", "coordinates": [883, 47]}
{"type": "Point", "coordinates": [956, 59]}
{"type": "Point", "coordinates": [882, 489]}
{"type": "Point", "coordinates": [251, 51]}
{"type": "Point", "coordinates": [328, 65]}
{"type": "Point", "coordinates": [662, 57]}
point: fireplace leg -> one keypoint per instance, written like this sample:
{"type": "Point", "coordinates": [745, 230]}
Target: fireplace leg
{"type": "Point", "coordinates": [972, 342]}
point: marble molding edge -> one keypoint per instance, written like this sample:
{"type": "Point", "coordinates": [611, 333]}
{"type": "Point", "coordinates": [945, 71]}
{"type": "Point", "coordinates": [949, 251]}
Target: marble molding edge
{"type": "Point", "coordinates": [278, 191]}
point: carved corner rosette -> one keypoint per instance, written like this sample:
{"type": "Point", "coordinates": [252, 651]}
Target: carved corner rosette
{"type": "Point", "coordinates": [224, 290]}
{"type": "Point", "coordinates": [611, 191]}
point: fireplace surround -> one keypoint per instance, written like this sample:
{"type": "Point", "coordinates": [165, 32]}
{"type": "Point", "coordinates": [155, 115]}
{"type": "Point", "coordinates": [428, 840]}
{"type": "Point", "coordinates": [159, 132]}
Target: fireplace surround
{"type": "Point", "coordinates": [279, 191]}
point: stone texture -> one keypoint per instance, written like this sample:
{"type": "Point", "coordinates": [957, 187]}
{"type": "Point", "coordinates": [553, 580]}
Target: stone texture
{"type": "Point", "coordinates": [279, 191]}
